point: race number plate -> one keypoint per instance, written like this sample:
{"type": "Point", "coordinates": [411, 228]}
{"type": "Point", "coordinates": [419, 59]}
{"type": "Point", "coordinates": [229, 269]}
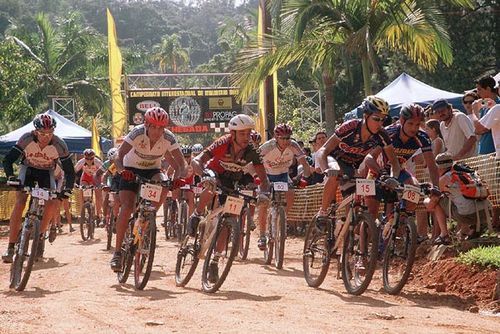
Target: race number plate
{"type": "Point", "coordinates": [87, 193]}
{"type": "Point", "coordinates": [247, 192]}
{"type": "Point", "coordinates": [233, 205]}
{"type": "Point", "coordinates": [411, 193]}
{"type": "Point", "coordinates": [280, 186]}
{"type": "Point", "coordinates": [151, 192]}
{"type": "Point", "coordinates": [197, 190]}
{"type": "Point", "coordinates": [40, 193]}
{"type": "Point", "coordinates": [365, 187]}
{"type": "Point", "coordinates": [185, 187]}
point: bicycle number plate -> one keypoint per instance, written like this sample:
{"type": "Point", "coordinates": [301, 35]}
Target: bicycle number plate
{"type": "Point", "coordinates": [411, 193]}
{"type": "Point", "coordinates": [185, 187]}
{"type": "Point", "coordinates": [365, 187]}
{"type": "Point", "coordinates": [247, 192]}
{"type": "Point", "coordinates": [197, 190]}
{"type": "Point", "coordinates": [233, 205]}
{"type": "Point", "coordinates": [169, 194]}
{"type": "Point", "coordinates": [40, 193]}
{"type": "Point", "coordinates": [151, 192]}
{"type": "Point", "coordinates": [87, 193]}
{"type": "Point", "coordinates": [280, 186]}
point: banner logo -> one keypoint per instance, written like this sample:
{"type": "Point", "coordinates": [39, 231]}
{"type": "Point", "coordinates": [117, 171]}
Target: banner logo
{"type": "Point", "coordinates": [184, 111]}
{"type": "Point", "coordinates": [145, 105]}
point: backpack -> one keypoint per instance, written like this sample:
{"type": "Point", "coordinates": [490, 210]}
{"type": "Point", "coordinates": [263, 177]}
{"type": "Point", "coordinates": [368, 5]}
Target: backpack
{"type": "Point", "coordinates": [470, 184]}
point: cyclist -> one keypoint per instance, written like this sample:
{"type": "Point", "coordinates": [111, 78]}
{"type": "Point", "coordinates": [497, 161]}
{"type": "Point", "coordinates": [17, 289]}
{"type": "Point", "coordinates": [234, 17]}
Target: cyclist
{"type": "Point", "coordinates": [226, 158]}
{"type": "Point", "coordinates": [39, 150]}
{"type": "Point", "coordinates": [278, 154]}
{"type": "Point", "coordinates": [354, 141]}
{"type": "Point", "coordinates": [408, 140]}
{"type": "Point", "coordinates": [189, 179]}
{"type": "Point", "coordinates": [59, 177]}
{"type": "Point", "coordinates": [90, 170]}
{"type": "Point", "coordinates": [112, 181]}
{"type": "Point", "coordinates": [197, 149]}
{"type": "Point", "coordinates": [141, 154]}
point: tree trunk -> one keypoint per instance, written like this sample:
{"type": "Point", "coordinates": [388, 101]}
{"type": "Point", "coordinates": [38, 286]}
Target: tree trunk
{"type": "Point", "coordinates": [367, 75]}
{"type": "Point", "coordinates": [330, 117]}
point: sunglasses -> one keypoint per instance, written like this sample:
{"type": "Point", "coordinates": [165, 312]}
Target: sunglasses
{"type": "Point", "coordinates": [45, 134]}
{"type": "Point", "coordinates": [284, 138]}
{"type": "Point", "coordinates": [468, 101]}
{"type": "Point", "coordinates": [378, 119]}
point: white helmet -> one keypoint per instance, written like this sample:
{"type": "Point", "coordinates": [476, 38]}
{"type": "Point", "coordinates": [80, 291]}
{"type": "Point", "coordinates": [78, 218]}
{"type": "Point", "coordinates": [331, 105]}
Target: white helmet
{"type": "Point", "coordinates": [112, 153]}
{"type": "Point", "coordinates": [241, 122]}
{"type": "Point", "coordinates": [197, 148]}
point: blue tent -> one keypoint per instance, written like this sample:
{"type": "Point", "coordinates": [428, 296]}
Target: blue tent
{"type": "Point", "coordinates": [76, 137]}
{"type": "Point", "coordinates": [406, 89]}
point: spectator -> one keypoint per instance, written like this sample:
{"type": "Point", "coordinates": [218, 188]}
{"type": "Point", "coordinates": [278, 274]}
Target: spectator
{"type": "Point", "coordinates": [486, 90]}
{"type": "Point", "coordinates": [434, 133]}
{"type": "Point", "coordinates": [457, 130]}
{"type": "Point", "coordinates": [489, 122]}
{"type": "Point", "coordinates": [317, 141]}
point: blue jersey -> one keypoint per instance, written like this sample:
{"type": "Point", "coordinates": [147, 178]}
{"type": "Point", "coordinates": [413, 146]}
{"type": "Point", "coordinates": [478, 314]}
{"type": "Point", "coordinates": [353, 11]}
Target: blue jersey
{"type": "Point", "coordinates": [351, 150]}
{"type": "Point", "coordinates": [405, 151]}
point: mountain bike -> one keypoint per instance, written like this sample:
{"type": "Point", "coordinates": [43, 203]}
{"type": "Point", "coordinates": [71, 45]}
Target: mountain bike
{"type": "Point", "coordinates": [183, 213]}
{"type": "Point", "coordinates": [87, 218]}
{"type": "Point", "coordinates": [170, 210]}
{"type": "Point", "coordinates": [247, 225]}
{"type": "Point", "coordinates": [357, 237]}
{"type": "Point", "coordinates": [110, 219]}
{"type": "Point", "coordinates": [276, 225]}
{"type": "Point", "coordinates": [27, 244]}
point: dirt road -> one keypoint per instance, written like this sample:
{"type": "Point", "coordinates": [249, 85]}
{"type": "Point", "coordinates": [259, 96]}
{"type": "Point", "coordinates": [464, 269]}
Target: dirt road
{"type": "Point", "coordinates": [73, 291]}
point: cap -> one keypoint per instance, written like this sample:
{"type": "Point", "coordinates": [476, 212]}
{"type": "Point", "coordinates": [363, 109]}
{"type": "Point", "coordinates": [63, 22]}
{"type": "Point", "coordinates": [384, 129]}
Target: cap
{"type": "Point", "coordinates": [440, 103]}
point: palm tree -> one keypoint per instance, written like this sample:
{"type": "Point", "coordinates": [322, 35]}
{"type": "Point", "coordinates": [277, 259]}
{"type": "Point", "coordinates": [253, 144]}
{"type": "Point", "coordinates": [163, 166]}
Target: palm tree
{"type": "Point", "coordinates": [170, 55]}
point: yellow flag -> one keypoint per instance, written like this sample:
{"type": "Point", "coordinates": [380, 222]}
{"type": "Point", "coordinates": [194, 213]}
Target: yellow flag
{"type": "Point", "coordinates": [95, 141]}
{"type": "Point", "coordinates": [119, 115]}
{"type": "Point", "coordinates": [275, 94]}
{"type": "Point", "coordinates": [260, 122]}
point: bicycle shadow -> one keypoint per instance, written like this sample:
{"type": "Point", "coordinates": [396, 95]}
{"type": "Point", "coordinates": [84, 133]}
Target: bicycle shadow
{"type": "Point", "coordinates": [237, 295]}
{"type": "Point", "coordinates": [157, 275]}
{"type": "Point", "coordinates": [432, 300]}
{"type": "Point", "coordinates": [150, 293]}
{"type": "Point", "coordinates": [358, 300]}
{"type": "Point", "coordinates": [285, 272]}
{"type": "Point", "coordinates": [87, 242]}
{"type": "Point", "coordinates": [47, 263]}
{"type": "Point", "coordinates": [35, 293]}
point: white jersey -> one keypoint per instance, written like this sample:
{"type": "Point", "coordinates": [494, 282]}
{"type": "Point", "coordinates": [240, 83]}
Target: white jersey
{"type": "Point", "coordinates": [89, 168]}
{"type": "Point", "coordinates": [276, 161]}
{"type": "Point", "coordinates": [142, 155]}
{"type": "Point", "coordinates": [39, 158]}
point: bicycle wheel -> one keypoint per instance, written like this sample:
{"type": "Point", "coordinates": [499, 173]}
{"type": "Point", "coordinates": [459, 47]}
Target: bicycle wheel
{"type": "Point", "coordinates": [245, 233]}
{"type": "Point", "coordinates": [182, 222]}
{"type": "Point", "coordinates": [399, 255]}
{"type": "Point", "coordinates": [359, 254]}
{"type": "Point", "coordinates": [109, 229]}
{"type": "Point", "coordinates": [166, 215]}
{"type": "Point", "coordinates": [145, 253]}
{"type": "Point", "coordinates": [279, 238]}
{"type": "Point", "coordinates": [271, 223]}
{"type": "Point", "coordinates": [85, 221]}
{"type": "Point", "coordinates": [220, 254]}
{"type": "Point", "coordinates": [316, 255]}
{"type": "Point", "coordinates": [187, 260]}
{"type": "Point", "coordinates": [128, 251]}
{"type": "Point", "coordinates": [22, 263]}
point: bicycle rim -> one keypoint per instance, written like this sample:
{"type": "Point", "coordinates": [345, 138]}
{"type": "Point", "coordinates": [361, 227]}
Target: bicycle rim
{"type": "Point", "coordinates": [399, 256]}
{"type": "Point", "coordinates": [187, 260]}
{"type": "Point", "coordinates": [23, 261]}
{"type": "Point", "coordinates": [227, 234]}
{"type": "Point", "coordinates": [316, 255]}
{"type": "Point", "coordinates": [268, 251]}
{"type": "Point", "coordinates": [359, 259]}
{"type": "Point", "coordinates": [279, 238]}
{"type": "Point", "coordinates": [128, 251]}
{"type": "Point", "coordinates": [144, 255]}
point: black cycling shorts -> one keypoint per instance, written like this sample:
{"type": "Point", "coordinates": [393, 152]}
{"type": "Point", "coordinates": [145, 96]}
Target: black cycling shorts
{"type": "Point", "coordinates": [134, 186]}
{"type": "Point", "coordinates": [30, 175]}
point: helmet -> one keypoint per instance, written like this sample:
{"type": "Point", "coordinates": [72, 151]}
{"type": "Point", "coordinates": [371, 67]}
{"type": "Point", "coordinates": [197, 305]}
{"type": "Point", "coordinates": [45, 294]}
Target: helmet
{"type": "Point", "coordinates": [112, 153]}
{"type": "Point", "coordinates": [283, 130]}
{"type": "Point", "coordinates": [197, 148]}
{"type": "Point", "coordinates": [44, 121]}
{"type": "Point", "coordinates": [255, 136]}
{"type": "Point", "coordinates": [410, 111]}
{"type": "Point", "coordinates": [89, 153]}
{"type": "Point", "coordinates": [156, 116]}
{"type": "Point", "coordinates": [372, 104]}
{"type": "Point", "coordinates": [241, 122]}
{"type": "Point", "coordinates": [444, 160]}
{"type": "Point", "coordinates": [186, 150]}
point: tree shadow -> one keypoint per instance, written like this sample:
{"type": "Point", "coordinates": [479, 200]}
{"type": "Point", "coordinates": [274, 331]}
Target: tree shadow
{"type": "Point", "coordinates": [430, 300]}
{"type": "Point", "coordinates": [47, 263]}
{"type": "Point", "coordinates": [35, 293]}
{"type": "Point", "coordinates": [358, 300]}
{"type": "Point", "coordinates": [150, 293]}
{"type": "Point", "coordinates": [236, 295]}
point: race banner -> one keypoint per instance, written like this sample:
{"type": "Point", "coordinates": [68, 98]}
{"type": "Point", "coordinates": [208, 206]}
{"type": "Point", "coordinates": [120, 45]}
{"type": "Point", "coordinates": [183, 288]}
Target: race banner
{"type": "Point", "coordinates": [189, 110]}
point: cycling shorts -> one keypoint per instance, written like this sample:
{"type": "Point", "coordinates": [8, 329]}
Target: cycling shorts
{"type": "Point", "coordinates": [44, 178]}
{"type": "Point", "coordinates": [145, 173]}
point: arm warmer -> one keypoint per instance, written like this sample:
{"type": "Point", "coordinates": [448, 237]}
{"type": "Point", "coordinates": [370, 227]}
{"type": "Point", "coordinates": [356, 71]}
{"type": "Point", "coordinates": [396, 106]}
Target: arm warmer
{"type": "Point", "coordinates": [9, 160]}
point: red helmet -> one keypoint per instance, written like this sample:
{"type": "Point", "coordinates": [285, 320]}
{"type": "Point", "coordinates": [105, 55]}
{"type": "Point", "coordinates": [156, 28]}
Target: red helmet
{"type": "Point", "coordinates": [255, 136]}
{"type": "Point", "coordinates": [156, 116]}
{"type": "Point", "coordinates": [283, 130]}
{"type": "Point", "coordinates": [44, 121]}
{"type": "Point", "coordinates": [410, 111]}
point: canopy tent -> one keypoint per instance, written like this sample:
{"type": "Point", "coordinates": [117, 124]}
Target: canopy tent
{"type": "Point", "coordinates": [406, 89]}
{"type": "Point", "coordinates": [76, 137]}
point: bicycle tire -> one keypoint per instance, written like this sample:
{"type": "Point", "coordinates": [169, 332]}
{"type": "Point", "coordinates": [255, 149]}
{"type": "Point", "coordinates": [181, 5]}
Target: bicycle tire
{"type": "Point", "coordinates": [19, 276]}
{"type": "Point", "coordinates": [187, 257]}
{"type": "Point", "coordinates": [145, 256]}
{"type": "Point", "coordinates": [245, 234]}
{"type": "Point", "coordinates": [315, 243]}
{"type": "Point", "coordinates": [85, 221]}
{"type": "Point", "coordinates": [166, 214]}
{"type": "Point", "coordinates": [279, 238]}
{"type": "Point", "coordinates": [268, 251]}
{"type": "Point", "coordinates": [128, 251]}
{"type": "Point", "coordinates": [231, 250]}
{"type": "Point", "coordinates": [352, 258]}
{"type": "Point", "coordinates": [109, 229]}
{"type": "Point", "coordinates": [182, 222]}
{"type": "Point", "coordinates": [406, 232]}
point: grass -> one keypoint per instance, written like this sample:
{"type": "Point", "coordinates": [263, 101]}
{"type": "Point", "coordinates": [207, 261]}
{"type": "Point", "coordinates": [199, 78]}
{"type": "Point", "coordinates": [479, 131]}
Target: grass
{"type": "Point", "coordinates": [482, 256]}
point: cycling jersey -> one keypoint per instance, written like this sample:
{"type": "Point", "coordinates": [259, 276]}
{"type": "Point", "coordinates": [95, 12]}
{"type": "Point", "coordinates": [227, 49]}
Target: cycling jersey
{"type": "Point", "coordinates": [89, 168]}
{"type": "Point", "coordinates": [34, 156]}
{"type": "Point", "coordinates": [351, 150]}
{"type": "Point", "coordinates": [277, 161]}
{"type": "Point", "coordinates": [142, 155]}
{"type": "Point", "coordinates": [405, 151]}
{"type": "Point", "coordinates": [223, 162]}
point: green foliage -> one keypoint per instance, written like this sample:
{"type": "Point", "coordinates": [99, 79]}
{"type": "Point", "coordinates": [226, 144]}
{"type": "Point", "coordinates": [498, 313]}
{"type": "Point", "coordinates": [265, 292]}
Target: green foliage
{"type": "Point", "coordinates": [482, 256]}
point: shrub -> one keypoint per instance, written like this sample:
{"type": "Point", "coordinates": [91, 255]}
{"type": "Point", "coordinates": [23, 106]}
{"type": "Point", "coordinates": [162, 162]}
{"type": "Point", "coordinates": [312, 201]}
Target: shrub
{"type": "Point", "coordinates": [482, 256]}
